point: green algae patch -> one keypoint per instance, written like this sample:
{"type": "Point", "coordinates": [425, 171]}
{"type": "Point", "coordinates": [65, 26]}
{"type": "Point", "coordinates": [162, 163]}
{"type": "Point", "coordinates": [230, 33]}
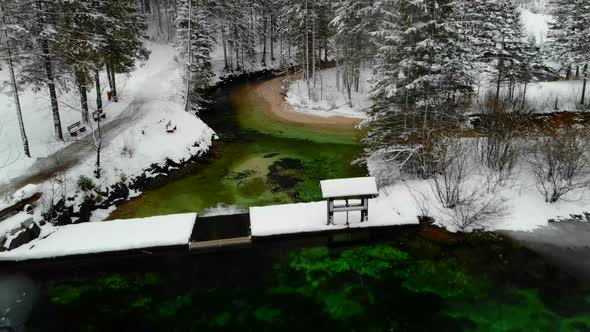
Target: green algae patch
{"type": "Point", "coordinates": [238, 174]}
{"type": "Point", "coordinates": [519, 310]}
{"type": "Point", "coordinates": [267, 314]}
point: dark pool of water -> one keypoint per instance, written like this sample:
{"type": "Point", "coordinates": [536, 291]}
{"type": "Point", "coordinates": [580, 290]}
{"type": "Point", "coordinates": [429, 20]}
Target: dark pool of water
{"type": "Point", "coordinates": [408, 284]}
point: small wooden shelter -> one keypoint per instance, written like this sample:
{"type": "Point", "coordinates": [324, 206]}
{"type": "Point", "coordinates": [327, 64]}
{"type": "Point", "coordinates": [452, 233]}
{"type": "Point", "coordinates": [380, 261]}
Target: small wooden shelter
{"type": "Point", "coordinates": [339, 193]}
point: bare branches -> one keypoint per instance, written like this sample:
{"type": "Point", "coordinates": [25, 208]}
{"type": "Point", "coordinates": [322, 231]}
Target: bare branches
{"type": "Point", "coordinates": [560, 163]}
{"type": "Point", "coordinates": [465, 203]}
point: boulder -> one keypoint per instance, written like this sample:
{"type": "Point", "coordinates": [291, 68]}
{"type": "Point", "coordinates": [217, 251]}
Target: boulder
{"type": "Point", "coordinates": [23, 237]}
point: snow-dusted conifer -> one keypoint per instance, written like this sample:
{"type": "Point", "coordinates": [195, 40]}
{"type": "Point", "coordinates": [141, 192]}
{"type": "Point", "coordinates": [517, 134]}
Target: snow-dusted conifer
{"type": "Point", "coordinates": [195, 31]}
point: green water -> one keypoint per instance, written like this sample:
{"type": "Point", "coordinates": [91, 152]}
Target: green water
{"type": "Point", "coordinates": [252, 142]}
{"type": "Point", "coordinates": [407, 285]}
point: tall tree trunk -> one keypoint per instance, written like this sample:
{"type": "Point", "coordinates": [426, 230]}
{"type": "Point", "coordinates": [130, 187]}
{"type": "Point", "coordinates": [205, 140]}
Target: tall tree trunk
{"type": "Point", "coordinates": [524, 96]}
{"type": "Point", "coordinates": [110, 78]}
{"type": "Point", "coordinates": [50, 79]}
{"type": "Point", "coordinates": [19, 113]}
{"type": "Point", "coordinates": [264, 27]}
{"type": "Point", "coordinates": [114, 86]}
{"type": "Point", "coordinates": [499, 83]}
{"type": "Point", "coordinates": [224, 47]}
{"type": "Point", "coordinates": [98, 90]}
{"type": "Point", "coordinates": [583, 101]}
{"type": "Point", "coordinates": [97, 171]}
{"type": "Point", "coordinates": [272, 39]}
{"type": "Point", "coordinates": [189, 55]}
{"type": "Point", "coordinates": [83, 97]}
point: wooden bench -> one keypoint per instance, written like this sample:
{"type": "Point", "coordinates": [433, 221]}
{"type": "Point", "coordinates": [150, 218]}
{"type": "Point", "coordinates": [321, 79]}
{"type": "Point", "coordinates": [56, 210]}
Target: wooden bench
{"type": "Point", "coordinates": [96, 115]}
{"type": "Point", "coordinates": [75, 128]}
{"type": "Point", "coordinates": [358, 189]}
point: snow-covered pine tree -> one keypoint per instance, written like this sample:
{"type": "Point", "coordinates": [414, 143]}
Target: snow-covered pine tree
{"type": "Point", "coordinates": [195, 28]}
{"type": "Point", "coordinates": [569, 35]}
{"type": "Point", "coordinates": [34, 35]}
{"type": "Point", "coordinates": [497, 38]}
{"type": "Point", "coordinates": [80, 46]}
{"type": "Point", "coordinates": [302, 29]}
{"type": "Point", "coordinates": [7, 51]}
{"type": "Point", "coordinates": [238, 32]}
{"type": "Point", "coordinates": [123, 38]}
{"type": "Point", "coordinates": [423, 74]}
{"type": "Point", "coordinates": [352, 42]}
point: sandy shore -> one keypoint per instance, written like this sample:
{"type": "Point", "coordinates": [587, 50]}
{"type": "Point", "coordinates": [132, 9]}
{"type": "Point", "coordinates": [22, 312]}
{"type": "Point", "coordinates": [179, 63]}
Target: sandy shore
{"type": "Point", "coordinates": [272, 92]}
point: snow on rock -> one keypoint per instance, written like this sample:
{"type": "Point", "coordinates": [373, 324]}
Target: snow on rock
{"type": "Point", "coordinates": [102, 214]}
{"type": "Point", "coordinates": [107, 236]}
{"type": "Point", "coordinates": [15, 222]}
{"type": "Point", "coordinates": [331, 101]}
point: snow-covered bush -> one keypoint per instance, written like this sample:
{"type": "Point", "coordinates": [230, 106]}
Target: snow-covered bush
{"type": "Point", "coordinates": [465, 202]}
{"type": "Point", "coordinates": [560, 163]}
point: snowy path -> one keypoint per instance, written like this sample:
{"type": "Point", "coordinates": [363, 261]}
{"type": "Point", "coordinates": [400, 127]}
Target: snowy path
{"type": "Point", "coordinates": [65, 158]}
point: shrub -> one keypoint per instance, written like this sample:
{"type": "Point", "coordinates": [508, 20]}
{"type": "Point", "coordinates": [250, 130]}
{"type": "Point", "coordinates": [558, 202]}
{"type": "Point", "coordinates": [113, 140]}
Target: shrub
{"type": "Point", "coordinates": [85, 183]}
{"type": "Point", "coordinates": [560, 164]}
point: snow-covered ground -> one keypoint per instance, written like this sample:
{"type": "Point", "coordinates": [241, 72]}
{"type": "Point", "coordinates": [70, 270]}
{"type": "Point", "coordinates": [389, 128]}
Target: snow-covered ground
{"type": "Point", "coordinates": [107, 236]}
{"type": "Point", "coordinates": [543, 95]}
{"type": "Point", "coordinates": [331, 101]}
{"type": "Point", "coordinates": [38, 119]}
{"type": "Point", "coordinates": [403, 202]}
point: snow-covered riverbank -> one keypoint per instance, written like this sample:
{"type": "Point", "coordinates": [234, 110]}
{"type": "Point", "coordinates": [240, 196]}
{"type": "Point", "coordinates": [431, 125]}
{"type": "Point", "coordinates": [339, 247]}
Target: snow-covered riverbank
{"type": "Point", "coordinates": [150, 101]}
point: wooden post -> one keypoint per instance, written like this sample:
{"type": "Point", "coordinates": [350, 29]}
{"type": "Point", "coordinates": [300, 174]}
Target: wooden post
{"type": "Point", "coordinates": [330, 211]}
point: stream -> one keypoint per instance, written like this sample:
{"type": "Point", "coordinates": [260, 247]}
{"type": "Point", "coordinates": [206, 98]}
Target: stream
{"type": "Point", "coordinates": [258, 160]}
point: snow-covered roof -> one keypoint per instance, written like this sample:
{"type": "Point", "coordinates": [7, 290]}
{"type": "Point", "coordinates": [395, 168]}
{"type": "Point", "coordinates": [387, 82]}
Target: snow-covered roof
{"type": "Point", "coordinates": [108, 236]}
{"type": "Point", "coordinates": [349, 187]}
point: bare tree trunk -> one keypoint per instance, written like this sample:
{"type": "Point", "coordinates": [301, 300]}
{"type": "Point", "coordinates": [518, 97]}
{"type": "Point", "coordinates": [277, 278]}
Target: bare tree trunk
{"type": "Point", "coordinates": [189, 54]}
{"type": "Point", "coordinates": [499, 83]}
{"type": "Point", "coordinates": [114, 86]}
{"type": "Point", "coordinates": [109, 76]}
{"type": "Point", "coordinates": [97, 171]}
{"type": "Point", "coordinates": [98, 94]}
{"type": "Point", "coordinates": [83, 97]}
{"type": "Point", "coordinates": [19, 113]}
{"type": "Point", "coordinates": [524, 96]}
{"type": "Point", "coordinates": [224, 47]}
{"type": "Point", "coordinates": [583, 101]}
{"type": "Point", "coordinates": [272, 39]}
{"type": "Point", "coordinates": [264, 27]}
